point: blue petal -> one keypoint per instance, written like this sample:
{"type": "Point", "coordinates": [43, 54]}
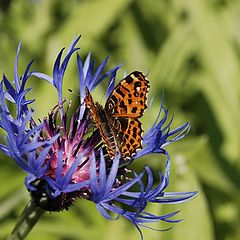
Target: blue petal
{"type": "Point", "coordinates": [4, 149]}
{"type": "Point", "coordinates": [76, 186]}
{"type": "Point", "coordinates": [93, 176]}
{"type": "Point", "coordinates": [98, 72]}
{"type": "Point", "coordinates": [10, 88]}
{"type": "Point", "coordinates": [59, 69]}
{"type": "Point", "coordinates": [82, 83]}
{"type": "Point", "coordinates": [26, 75]}
{"type": "Point", "coordinates": [102, 210]}
{"type": "Point", "coordinates": [113, 173]}
{"type": "Point", "coordinates": [111, 82]}
{"type": "Point", "coordinates": [102, 173]}
{"type": "Point", "coordinates": [120, 190]}
{"type": "Point", "coordinates": [87, 66]}
{"type": "Point", "coordinates": [43, 76]}
{"type": "Point", "coordinates": [16, 77]}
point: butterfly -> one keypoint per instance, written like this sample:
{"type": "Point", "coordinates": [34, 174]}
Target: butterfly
{"type": "Point", "coordinates": [117, 122]}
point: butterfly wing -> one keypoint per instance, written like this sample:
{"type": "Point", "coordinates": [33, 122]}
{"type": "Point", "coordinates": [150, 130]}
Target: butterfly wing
{"type": "Point", "coordinates": [128, 99]}
{"type": "Point", "coordinates": [129, 133]}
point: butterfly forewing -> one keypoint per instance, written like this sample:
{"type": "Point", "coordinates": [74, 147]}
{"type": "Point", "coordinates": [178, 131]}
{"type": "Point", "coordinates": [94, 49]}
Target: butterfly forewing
{"type": "Point", "coordinates": [129, 97]}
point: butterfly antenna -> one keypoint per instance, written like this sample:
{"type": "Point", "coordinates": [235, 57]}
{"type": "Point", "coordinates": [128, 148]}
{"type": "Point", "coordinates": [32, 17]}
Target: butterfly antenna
{"type": "Point", "coordinates": [148, 72]}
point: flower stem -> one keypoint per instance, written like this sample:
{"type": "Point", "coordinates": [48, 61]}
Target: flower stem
{"type": "Point", "coordinates": [26, 222]}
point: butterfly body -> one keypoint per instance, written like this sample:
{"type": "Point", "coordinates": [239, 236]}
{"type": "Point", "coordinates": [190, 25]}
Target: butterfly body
{"type": "Point", "coordinates": [118, 122]}
{"type": "Point", "coordinates": [107, 130]}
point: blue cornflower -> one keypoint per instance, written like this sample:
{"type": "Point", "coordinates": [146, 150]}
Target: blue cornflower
{"type": "Point", "coordinates": [64, 157]}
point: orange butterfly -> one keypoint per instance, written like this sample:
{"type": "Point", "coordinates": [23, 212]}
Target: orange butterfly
{"type": "Point", "coordinates": [118, 122]}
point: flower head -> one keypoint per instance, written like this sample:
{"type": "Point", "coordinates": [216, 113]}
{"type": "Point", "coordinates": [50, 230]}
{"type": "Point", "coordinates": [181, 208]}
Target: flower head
{"type": "Point", "coordinates": [64, 155]}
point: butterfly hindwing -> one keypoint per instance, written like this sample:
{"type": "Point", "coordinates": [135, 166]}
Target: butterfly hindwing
{"type": "Point", "coordinates": [129, 134]}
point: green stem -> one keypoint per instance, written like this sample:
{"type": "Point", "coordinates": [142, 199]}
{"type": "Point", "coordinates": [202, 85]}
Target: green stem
{"type": "Point", "coordinates": [26, 222]}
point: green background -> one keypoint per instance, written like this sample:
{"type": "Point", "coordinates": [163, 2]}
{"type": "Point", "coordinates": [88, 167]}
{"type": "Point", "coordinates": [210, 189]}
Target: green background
{"type": "Point", "coordinates": [191, 52]}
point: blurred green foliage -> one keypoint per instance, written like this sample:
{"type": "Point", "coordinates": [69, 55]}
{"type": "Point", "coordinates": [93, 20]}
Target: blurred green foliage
{"type": "Point", "coordinates": [191, 52]}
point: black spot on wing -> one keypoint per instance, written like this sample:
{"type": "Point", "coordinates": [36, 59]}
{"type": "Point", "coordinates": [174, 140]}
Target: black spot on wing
{"type": "Point", "coordinates": [129, 79]}
{"type": "Point", "coordinates": [114, 99]}
{"type": "Point", "coordinates": [123, 107]}
{"type": "Point", "coordinates": [137, 84]}
{"type": "Point", "coordinates": [134, 110]}
{"type": "Point", "coordinates": [132, 141]}
{"type": "Point", "coordinates": [118, 90]}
